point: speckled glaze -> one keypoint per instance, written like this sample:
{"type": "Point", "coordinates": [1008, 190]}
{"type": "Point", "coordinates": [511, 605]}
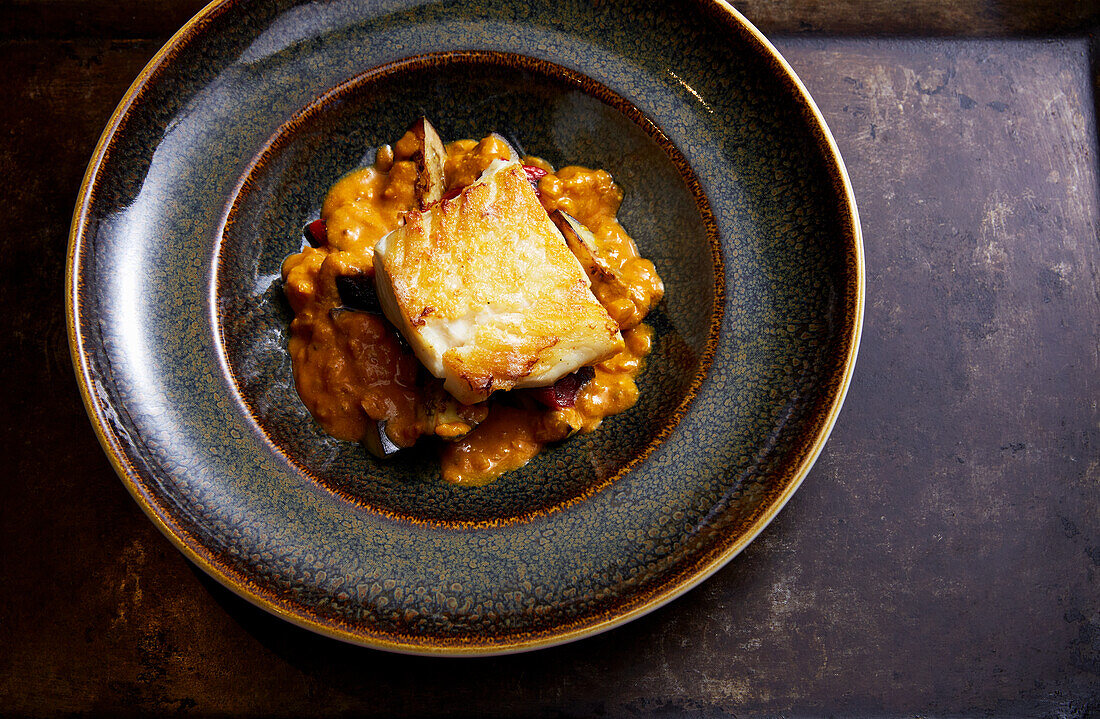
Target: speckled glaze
{"type": "Point", "coordinates": [548, 111]}
{"type": "Point", "coordinates": [224, 148]}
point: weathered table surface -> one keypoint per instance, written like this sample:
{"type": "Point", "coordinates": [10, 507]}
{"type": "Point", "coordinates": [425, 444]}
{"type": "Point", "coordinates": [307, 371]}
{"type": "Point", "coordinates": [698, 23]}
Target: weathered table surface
{"type": "Point", "coordinates": [942, 558]}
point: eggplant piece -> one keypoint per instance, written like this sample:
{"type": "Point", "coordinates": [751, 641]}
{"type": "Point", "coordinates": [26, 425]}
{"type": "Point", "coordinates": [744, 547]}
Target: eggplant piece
{"type": "Point", "coordinates": [429, 158]}
{"type": "Point", "coordinates": [357, 292]}
{"type": "Point", "coordinates": [379, 443]}
{"type": "Point", "coordinates": [513, 156]}
{"type": "Point", "coordinates": [582, 243]}
{"type": "Point", "coordinates": [607, 283]}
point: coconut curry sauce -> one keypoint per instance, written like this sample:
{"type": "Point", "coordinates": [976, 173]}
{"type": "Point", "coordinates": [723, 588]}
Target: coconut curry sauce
{"type": "Point", "coordinates": [352, 369]}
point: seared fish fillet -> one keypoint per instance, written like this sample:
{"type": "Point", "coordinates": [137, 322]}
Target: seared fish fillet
{"type": "Point", "coordinates": [488, 294]}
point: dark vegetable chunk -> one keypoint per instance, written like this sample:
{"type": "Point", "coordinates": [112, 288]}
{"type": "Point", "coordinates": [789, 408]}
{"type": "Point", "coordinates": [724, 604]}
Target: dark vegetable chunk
{"type": "Point", "coordinates": [429, 158]}
{"type": "Point", "coordinates": [357, 292]}
{"type": "Point", "coordinates": [563, 393]}
{"type": "Point", "coordinates": [379, 443]}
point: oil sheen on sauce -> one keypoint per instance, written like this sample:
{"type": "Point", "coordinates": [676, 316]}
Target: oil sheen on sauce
{"type": "Point", "coordinates": [352, 369]}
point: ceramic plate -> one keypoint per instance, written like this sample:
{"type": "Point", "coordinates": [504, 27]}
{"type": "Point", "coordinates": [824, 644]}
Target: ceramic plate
{"type": "Point", "coordinates": [223, 149]}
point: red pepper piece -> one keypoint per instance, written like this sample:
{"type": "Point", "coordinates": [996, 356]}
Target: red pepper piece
{"type": "Point", "coordinates": [563, 393]}
{"type": "Point", "coordinates": [317, 232]}
{"type": "Point", "coordinates": [534, 174]}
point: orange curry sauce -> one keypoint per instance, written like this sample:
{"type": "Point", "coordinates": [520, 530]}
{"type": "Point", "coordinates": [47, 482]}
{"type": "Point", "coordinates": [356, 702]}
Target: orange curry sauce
{"type": "Point", "coordinates": [353, 371]}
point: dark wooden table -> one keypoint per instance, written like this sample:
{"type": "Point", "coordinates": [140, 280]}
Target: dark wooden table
{"type": "Point", "coordinates": [943, 557]}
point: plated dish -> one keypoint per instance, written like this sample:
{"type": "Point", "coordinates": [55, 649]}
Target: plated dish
{"type": "Point", "coordinates": [221, 153]}
{"type": "Point", "coordinates": [447, 293]}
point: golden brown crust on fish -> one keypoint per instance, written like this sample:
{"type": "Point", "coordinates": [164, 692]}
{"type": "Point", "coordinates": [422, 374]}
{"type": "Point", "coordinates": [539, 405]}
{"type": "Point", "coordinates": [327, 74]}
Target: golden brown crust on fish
{"type": "Point", "coordinates": [487, 292]}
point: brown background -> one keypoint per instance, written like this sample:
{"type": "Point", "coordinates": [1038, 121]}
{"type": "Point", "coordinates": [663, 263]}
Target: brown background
{"type": "Point", "coordinates": [942, 558]}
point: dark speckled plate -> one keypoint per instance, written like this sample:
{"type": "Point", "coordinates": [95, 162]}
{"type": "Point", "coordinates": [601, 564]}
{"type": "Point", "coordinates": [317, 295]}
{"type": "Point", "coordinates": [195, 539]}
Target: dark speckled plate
{"type": "Point", "coordinates": [224, 148]}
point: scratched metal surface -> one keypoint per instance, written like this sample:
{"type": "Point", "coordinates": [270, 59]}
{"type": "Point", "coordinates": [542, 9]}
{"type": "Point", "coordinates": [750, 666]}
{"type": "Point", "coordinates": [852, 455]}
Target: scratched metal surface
{"type": "Point", "coordinates": [943, 557]}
